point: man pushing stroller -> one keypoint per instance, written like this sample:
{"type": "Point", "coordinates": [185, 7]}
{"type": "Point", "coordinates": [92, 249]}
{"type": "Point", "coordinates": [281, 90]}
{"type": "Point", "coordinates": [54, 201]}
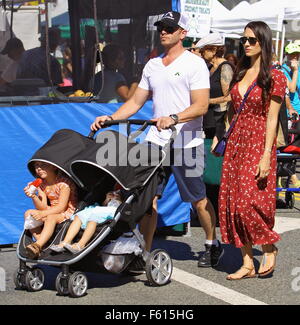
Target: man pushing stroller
{"type": "Point", "coordinates": [179, 84]}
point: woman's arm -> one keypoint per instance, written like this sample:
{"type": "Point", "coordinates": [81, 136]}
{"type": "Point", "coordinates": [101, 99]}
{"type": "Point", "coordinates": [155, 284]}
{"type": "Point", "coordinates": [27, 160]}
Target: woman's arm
{"type": "Point", "coordinates": [226, 77]}
{"type": "Point", "coordinates": [125, 93]}
{"type": "Point", "coordinates": [263, 167]}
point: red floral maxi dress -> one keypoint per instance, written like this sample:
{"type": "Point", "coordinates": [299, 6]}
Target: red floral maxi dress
{"type": "Point", "coordinates": [246, 206]}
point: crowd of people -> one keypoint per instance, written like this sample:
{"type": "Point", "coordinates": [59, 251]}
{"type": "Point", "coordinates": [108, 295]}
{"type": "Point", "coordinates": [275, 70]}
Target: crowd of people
{"type": "Point", "coordinates": [202, 91]}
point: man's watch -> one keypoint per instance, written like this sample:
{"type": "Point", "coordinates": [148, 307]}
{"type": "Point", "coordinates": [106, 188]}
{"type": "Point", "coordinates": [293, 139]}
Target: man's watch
{"type": "Point", "coordinates": [175, 118]}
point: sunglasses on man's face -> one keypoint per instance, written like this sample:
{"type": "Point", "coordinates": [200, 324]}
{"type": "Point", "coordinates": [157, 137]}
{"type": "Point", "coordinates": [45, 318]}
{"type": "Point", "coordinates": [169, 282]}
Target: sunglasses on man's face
{"type": "Point", "coordinates": [167, 29]}
{"type": "Point", "coordinates": [251, 40]}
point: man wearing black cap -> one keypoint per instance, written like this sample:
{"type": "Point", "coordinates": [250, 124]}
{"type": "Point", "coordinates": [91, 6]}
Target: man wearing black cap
{"type": "Point", "coordinates": [179, 84]}
{"type": "Point", "coordinates": [14, 49]}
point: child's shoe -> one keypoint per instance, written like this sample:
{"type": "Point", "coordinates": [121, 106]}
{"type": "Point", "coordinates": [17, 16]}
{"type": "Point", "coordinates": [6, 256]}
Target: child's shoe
{"type": "Point", "coordinates": [58, 248]}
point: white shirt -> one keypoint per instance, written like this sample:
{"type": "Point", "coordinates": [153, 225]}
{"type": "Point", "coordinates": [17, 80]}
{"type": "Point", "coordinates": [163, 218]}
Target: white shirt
{"type": "Point", "coordinates": [171, 86]}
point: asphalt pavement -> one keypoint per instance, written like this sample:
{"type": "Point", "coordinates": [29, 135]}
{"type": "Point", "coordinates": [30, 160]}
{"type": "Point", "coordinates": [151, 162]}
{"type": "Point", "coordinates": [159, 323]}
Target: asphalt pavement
{"type": "Point", "coordinates": [190, 285]}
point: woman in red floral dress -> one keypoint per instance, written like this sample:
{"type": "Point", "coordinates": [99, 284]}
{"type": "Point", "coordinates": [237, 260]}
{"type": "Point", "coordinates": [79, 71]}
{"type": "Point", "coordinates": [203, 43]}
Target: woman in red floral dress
{"type": "Point", "coordinates": [247, 199]}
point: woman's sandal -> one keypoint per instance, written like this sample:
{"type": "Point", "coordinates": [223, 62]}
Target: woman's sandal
{"type": "Point", "coordinates": [33, 251]}
{"type": "Point", "coordinates": [74, 249]}
{"type": "Point", "coordinates": [263, 262]}
{"type": "Point", "coordinates": [249, 274]}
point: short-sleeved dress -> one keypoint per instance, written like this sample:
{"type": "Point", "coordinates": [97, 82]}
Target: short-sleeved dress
{"type": "Point", "coordinates": [53, 194]}
{"type": "Point", "coordinates": [246, 206]}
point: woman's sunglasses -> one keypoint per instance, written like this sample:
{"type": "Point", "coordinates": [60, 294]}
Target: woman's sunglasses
{"type": "Point", "coordinates": [251, 40]}
{"type": "Point", "coordinates": [167, 29]}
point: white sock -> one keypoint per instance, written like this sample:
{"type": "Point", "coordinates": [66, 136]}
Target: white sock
{"type": "Point", "coordinates": [212, 242]}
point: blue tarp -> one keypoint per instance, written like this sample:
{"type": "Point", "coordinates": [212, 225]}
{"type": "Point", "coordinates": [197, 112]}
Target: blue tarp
{"type": "Point", "coordinates": [23, 129]}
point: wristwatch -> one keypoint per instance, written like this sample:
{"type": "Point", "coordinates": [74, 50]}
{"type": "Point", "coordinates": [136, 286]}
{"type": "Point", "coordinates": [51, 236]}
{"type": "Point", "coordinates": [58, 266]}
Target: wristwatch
{"type": "Point", "coordinates": [175, 118]}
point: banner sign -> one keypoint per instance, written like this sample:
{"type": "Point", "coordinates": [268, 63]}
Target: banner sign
{"type": "Point", "coordinates": [199, 16]}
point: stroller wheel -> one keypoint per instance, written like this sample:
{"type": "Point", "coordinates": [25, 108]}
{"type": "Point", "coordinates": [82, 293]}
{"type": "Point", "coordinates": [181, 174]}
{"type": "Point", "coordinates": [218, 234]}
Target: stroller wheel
{"type": "Point", "coordinates": [61, 284]}
{"type": "Point", "coordinates": [77, 284]}
{"type": "Point", "coordinates": [290, 199]}
{"type": "Point", "coordinates": [34, 279]}
{"type": "Point", "coordinates": [19, 280]}
{"type": "Point", "coordinates": [159, 267]}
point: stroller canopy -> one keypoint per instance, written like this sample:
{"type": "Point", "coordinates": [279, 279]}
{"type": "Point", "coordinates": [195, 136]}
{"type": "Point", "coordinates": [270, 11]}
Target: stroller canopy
{"type": "Point", "coordinates": [129, 163]}
{"type": "Point", "coordinates": [62, 148]}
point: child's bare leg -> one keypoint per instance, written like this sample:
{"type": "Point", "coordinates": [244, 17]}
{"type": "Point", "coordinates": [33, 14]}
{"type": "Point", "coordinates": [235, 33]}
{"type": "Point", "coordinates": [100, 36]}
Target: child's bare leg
{"type": "Point", "coordinates": [49, 227]}
{"type": "Point", "coordinates": [72, 231]}
{"type": "Point", "coordinates": [87, 234]}
{"type": "Point", "coordinates": [36, 232]}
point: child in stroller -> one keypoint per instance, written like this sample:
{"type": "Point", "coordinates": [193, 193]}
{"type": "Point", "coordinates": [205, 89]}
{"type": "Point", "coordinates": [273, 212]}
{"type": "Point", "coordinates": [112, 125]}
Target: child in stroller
{"type": "Point", "coordinates": [62, 194]}
{"type": "Point", "coordinates": [87, 219]}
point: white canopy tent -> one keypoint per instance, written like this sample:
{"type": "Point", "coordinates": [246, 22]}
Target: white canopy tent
{"type": "Point", "coordinates": [273, 12]}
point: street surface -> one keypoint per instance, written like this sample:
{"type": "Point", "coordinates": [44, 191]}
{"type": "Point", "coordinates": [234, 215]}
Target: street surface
{"type": "Point", "coordinates": [190, 285]}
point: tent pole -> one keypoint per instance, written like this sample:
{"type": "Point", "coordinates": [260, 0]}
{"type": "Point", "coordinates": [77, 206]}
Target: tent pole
{"type": "Point", "coordinates": [75, 41]}
{"type": "Point", "coordinates": [282, 41]}
{"type": "Point", "coordinates": [277, 43]}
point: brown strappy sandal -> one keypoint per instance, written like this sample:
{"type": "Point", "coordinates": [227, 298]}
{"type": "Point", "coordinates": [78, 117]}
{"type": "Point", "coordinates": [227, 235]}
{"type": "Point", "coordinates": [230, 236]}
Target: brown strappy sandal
{"type": "Point", "coordinates": [264, 258]}
{"type": "Point", "coordinates": [33, 251]}
{"type": "Point", "coordinates": [249, 274]}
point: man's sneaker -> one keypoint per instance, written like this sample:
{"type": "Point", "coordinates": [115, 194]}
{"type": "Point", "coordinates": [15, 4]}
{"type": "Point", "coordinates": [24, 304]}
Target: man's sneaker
{"type": "Point", "coordinates": [211, 256]}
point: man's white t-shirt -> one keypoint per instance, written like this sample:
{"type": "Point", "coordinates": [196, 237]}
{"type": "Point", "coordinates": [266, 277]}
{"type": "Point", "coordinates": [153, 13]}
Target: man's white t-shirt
{"type": "Point", "coordinates": [171, 86]}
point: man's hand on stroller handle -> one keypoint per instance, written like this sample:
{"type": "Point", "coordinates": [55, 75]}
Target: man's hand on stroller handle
{"type": "Point", "coordinates": [164, 122]}
{"type": "Point", "coordinates": [99, 122]}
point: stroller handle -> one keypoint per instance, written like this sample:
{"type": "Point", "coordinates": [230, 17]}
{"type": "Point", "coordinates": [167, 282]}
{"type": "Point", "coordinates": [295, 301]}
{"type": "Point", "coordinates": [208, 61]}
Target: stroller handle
{"type": "Point", "coordinates": [143, 123]}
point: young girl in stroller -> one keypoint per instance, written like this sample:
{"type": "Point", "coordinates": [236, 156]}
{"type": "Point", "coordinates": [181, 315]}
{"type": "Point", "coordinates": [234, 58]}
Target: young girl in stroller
{"type": "Point", "coordinates": [61, 192]}
{"type": "Point", "coordinates": [87, 219]}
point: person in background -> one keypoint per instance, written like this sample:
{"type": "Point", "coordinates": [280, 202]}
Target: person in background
{"type": "Point", "coordinates": [231, 58]}
{"type": "Point", "coordinates": [14, 48]}
{"type": "Point", "coordinates": [247, 198]}
{"type": "Point", "coordinates": [115, 88]}
{"type": "Point", "coordinates": [33, 63]}
{"type": "Point", "coordinates": [292, 71]}
{"type": "Point", "coordinates": [221, 71]}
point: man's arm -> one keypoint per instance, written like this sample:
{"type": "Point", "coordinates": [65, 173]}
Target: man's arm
{"type": "Point", "coordinates": [198, 107]}
{"type": "Point", "coordinates": [129, 108]}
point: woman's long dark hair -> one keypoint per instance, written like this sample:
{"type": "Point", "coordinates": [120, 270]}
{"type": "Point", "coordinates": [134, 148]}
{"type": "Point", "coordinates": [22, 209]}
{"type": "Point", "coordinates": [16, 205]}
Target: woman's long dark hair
{"type": "Point", "coordinates": [264, 80]}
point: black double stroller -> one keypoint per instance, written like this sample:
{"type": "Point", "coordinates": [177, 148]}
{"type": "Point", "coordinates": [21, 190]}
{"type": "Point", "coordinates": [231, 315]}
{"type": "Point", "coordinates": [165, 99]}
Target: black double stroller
{"type": "Point", "coordinates": [96, 165]}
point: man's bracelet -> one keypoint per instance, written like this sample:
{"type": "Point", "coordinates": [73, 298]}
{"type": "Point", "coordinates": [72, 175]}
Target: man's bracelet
{"type": "Point", "coordinates": [110, 117]}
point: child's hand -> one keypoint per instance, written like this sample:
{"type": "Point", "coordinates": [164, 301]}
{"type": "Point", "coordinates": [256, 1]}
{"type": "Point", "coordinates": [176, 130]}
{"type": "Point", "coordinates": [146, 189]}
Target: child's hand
{"type": "Point", "coordinates": [27, 192]}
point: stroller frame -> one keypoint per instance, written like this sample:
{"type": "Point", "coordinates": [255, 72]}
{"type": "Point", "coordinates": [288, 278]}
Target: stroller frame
{"type": "Point", "coordinates": [157, 264]}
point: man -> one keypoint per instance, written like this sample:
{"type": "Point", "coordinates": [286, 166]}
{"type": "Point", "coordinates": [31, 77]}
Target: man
{"type": "Point", "coordinates": [179, 84]}
{"type": "Point", "coordinates": [292, 71]}
{"type": "Point", "coordinates": [33, 64]}
{"type": "Point", "coordinates": [14, 49]}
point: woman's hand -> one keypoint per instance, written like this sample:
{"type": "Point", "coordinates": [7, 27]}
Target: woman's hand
{"type": "Point", "coordinates": [263, 168]}
{"type": "Point", "coordinates": [213, 144]}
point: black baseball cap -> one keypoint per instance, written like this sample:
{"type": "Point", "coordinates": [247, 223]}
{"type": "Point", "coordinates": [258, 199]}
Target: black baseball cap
{"type": "Point", "coordinates": [173, 19]}
{"type": "Point", "coordinates": [12, 44]}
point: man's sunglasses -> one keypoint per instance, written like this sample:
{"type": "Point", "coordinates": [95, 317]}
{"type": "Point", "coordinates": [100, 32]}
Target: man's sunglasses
{"type": "Point", "coordinates": [251, 40]}
{"type": "Point", "coordinates": [167, 29]}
